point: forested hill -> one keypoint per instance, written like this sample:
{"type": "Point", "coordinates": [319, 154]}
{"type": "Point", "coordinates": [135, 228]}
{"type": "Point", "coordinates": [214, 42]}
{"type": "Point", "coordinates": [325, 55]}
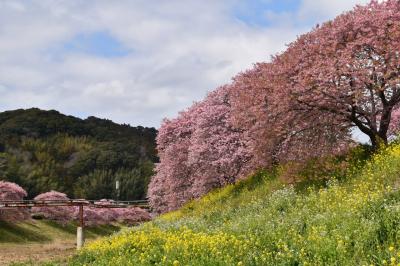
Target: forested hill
{"type": "Point", "coordinates": [46, 150]}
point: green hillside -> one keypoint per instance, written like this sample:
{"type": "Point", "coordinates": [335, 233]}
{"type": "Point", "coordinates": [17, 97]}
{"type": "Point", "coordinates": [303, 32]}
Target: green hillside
{"type": "Point", "coordinates": [45, 150]}
{"type": "Point", "coordinates": [352, 219]}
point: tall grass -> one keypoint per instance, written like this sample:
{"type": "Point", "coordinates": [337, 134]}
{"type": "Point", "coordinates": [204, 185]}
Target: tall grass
{"type": "Point", "coordinates": [260, 221]}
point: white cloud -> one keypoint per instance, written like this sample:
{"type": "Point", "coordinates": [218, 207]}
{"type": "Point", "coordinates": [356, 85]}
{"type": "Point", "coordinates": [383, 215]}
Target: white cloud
{"type": "Point", "coordinates": [113, 89]}
{"type": "Point", "coordinates": [321, 10]}
{"type": "Point", "coordinates": [180, 50]}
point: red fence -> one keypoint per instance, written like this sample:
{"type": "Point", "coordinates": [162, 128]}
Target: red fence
{"type": "Point", "coordinates": [81, 203]}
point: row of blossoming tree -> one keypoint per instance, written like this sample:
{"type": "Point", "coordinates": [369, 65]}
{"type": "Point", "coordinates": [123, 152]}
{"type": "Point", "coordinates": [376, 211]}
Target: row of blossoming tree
{"type": "Point", "coordinates": [65, 214]}
{"type": "Point", "coordinates": [303, 103]}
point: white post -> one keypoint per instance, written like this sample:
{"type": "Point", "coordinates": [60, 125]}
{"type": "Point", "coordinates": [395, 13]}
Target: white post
{"type": "Point", "coordinates": [80, 238]}
{"type": "Point", "coordinates": [117, 188]}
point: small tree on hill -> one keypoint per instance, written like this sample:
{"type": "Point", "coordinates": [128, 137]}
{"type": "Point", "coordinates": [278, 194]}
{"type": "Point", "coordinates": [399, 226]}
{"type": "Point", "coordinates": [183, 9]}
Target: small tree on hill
{"type": "Point", "coordinates": [132, 215]}
{"type": "Point", "coordinates": [11, 191]}
{"type": "Point", "coordinates": [60, 214]}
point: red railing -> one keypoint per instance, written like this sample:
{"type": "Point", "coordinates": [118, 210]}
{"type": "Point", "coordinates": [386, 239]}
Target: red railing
{"type": "Point", "coordinates": [81, 203]}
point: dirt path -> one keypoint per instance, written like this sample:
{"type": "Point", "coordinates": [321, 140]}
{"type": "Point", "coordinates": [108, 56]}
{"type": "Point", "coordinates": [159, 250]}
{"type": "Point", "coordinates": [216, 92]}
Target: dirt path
{"type": "Point", "coordinates": [36, 253]}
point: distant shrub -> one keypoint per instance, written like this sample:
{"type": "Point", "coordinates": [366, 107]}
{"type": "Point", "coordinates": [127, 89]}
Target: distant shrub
{"type": "Point", "coordinates": [108, 215]}
{"type": "Point", "coordinates": [12, 191]}
{"type": "Point", "coordinates": [98, 216]}
{"type": "Point", "coordinates": [91, 216]}
{"type": "Point", "coordinates": [132, 216]}
{"type": "Point", "coordinates": [60, 214]}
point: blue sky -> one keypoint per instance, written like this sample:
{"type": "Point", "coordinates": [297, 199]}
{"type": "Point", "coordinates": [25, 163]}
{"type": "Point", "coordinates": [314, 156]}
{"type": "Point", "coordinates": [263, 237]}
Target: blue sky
{"type": "Point", "coordinates": [138, 61]}
{"type": "Point", "coordinates": [98, 43]}
{"type": "Point", "coordinates": [255, 12]}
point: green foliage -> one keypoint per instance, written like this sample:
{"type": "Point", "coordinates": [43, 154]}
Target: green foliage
{"type": "Point", "coordinates": [45, 150]}
{"type": "Point", "coordinates": [262, 221]}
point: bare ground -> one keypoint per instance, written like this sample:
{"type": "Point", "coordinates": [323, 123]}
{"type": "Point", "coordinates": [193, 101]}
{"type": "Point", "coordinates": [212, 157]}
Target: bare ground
{"type": "Point", "coordinates": [34, 254]}
{"type": "Point", "coordinates": [36, 242]}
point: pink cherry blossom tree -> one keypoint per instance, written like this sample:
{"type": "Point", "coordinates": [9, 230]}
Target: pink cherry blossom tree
{"type": "Point", "coordinates": [275, 131]}
{"type": "Point", "coordinates": [218, 152]}
{"type": "Point", "coordinates": [60, 214]}
{"type": "Point", "coordinates": [200, 150]}
{"type": "Point", "coordinates": [252, 111]}
{"type": "Point", "coordinates": [171, 186]}
{"type": "Point", "coordinates": [304, 103]}
{"type": "Point", "coordinates": [347, 70]}
{"type": "Point", "coordinates": [108, 215]}
{"type": "Point", "coordinates": [132, 215]}
{"type": "Point", "coordinates": [12, 191]}
{"type": "Point", "coordinates": [92, 216]}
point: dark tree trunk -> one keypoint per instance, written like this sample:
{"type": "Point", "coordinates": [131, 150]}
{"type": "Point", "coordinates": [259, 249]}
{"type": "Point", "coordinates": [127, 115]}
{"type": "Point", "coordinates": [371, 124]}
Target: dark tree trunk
{"type": "Point", "coordinates": [377, 137]}
{"type": "Point", "coordinates": [378, 141]}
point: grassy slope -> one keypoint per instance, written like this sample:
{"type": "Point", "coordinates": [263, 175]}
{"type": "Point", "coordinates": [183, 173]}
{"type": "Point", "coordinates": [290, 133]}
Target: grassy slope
{"type": "Point", "coordinates": [42, 240]}
{"type": "Point", "coordinates": [262, 222]}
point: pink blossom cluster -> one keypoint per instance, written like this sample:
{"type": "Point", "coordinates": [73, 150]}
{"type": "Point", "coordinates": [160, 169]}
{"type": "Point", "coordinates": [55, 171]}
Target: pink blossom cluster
{"type": "Point", "coordinates": [99, 216]}
{"type": "Point", "coordinates": [64, 214]}
{"type": "Point", "coordinates": [11, 191]}
{"type": "Point", "coordinates": [394, 126]}
{"type": "Point", "coordinates": [304, 103]}
{"type": "Point", "coordinates": [132, 215]}
{"type": "Point", "coordinates": [200, 150]}
{"type": "Point", "coordinates": [345, 73]}
{"type": "Point", "coordinates": [61, 214]}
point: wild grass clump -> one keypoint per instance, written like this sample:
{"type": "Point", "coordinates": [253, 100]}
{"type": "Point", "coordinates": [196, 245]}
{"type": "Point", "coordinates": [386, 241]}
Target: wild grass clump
{"type": "Point", "coordinates": [261, 221]}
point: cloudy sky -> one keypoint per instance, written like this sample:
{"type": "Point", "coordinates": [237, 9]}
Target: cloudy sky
{"type": "Point", "coordinates": [139, 61]}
